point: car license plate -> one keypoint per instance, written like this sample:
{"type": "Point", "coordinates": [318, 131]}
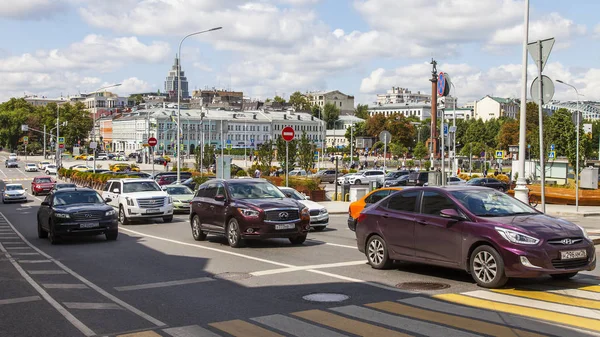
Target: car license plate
{"type": "Point", "coordinates": [153, 211]}
{"type": "Point", "coordinates": [285, 226]}
{"type": "Point", "coordinates": [573, 254]}
{"type": "Point", "coordinates": [89, 225]}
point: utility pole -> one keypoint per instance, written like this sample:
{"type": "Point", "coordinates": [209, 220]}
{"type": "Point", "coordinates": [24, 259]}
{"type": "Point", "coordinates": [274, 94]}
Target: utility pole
{"type": "Point", "coordinates": [44, 141]}
{"type": "Point", "coordinates": [57, 155]}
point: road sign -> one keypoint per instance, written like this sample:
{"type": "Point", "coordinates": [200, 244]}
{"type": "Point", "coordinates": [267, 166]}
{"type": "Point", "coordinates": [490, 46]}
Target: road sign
{"type": "Point", "coordinates": [385, 137]}
{"type": "Point", "coordinates": [152, 141]}
{"type": "Point", "coordinates": [499, 154]}
{"type": "Point", "coordinates": [547, 89]}
{"type": "Point", "coordinates": [61, 140]}
{"type": "Point", "coordinates": [443, 84]}
{"type": "Point", "coordinates": [93, 145]}
{"type": "Point", "coordinates": [61, 146]}
{"type": "Point", "coordinates": [453, 129]}
{"type": "Point", "coordinates": [288, 133]}
{"type": "Point", "coordinates": [534, 51]}
{"type": "Point", "coordinates": [552, 155]}
{"type": "Point", "coordinates": [445, 129]}
{"type": "Point", "coordinates": [25, 138]}
{"type": "Point", "coordinates": [552, 147]}
{"type": "Point", "coordinates": [24, 127]}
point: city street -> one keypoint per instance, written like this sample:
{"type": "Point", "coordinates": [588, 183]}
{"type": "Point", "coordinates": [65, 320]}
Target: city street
{"type": "Point", "coordinates": [155, 280]}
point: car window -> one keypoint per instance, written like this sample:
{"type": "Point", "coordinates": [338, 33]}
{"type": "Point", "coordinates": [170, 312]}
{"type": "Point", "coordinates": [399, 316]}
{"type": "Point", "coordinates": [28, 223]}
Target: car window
{"type": "Point", "coordinates": [220, 190]}
{"type": "Point", "coordinates": [140, 186]}
{"type": "Point", "coordinates": [403, 201]}
{"type": "Point", "coordinates": [107, 186]}
{"type": "Point", "coordinates": [48, 198]}
{"type": "Point", "coordinates": [200, 192]}
{"type": "Point", "coordinates": [376, 196]}
{"type": "Point", "coordinates": [434, 202]}
{"type": "Point", "coordinates": [210, 191]}
{"type": "Point", "coordinates": [80, 197]}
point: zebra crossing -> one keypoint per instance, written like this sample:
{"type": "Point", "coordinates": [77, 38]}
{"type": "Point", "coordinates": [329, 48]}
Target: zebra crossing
{"type": "Point", "coordinates": [570, 308]}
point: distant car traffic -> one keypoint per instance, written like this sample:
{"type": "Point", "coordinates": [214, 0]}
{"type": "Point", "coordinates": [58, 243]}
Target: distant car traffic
{"type": "Point", "coordinates": [75, 212]}
{"type": "Point", "coordinates": [396, 178]}
{"type": "Point", "coordinates": [182, 197]}
{"type": "Point", "coordinates": [455, 181]}
{"type": "Point", "coordinates": [365, 177]}
{"type": "Point", "coordinates": [319, 217]}
{"type": "Point", "coordinates": [51, 169]}
{"type": "Point", "coordinates": [489, 182]}
{"type": "Point", "coordinates": [11, 163]}
{"type": "Point", "coordinates": [485, 232]}
{"type": "Point", "coordinates": [30, 167]}
{"type": "Point", "coordinates": [42, 165]}
{"type": "Point", "coordinates": [12, 156]}
{"type": "Point", "coordinates": [326, 176]}
{"type": "Point", "coordinates": [41, 185]}
{"type": "Point", "coordinates": [14, 193]}
{"type": "Point", "coordinates": [246, 209]}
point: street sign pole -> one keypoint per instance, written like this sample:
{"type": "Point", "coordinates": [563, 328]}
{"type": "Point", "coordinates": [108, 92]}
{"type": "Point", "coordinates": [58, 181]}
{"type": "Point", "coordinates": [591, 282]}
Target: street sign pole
{"type": "Point", "coordinates": [541, 128]}
{"type": "Point", "coordinates": [443, 150]}
{"type": "Point", "coordinates": [287, 160]}
{"type": "Point", "coordinates": [384, 150]}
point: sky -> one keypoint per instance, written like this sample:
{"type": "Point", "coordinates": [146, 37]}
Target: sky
{"type": "Point", "coordinates": [276, 47]}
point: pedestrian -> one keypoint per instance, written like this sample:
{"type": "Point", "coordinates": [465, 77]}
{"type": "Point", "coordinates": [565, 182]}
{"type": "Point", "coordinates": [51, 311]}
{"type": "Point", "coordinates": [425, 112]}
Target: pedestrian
{"type": "Point", "coordinates": [257, 173]}
{"type": "Point", "coordinates": [166, 165]}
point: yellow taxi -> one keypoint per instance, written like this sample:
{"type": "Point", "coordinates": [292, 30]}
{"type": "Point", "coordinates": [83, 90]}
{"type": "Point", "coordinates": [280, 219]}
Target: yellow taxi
{"type": "Point", "coordinates": [124, 168]}
{"type": "Point", "coordinates": [370, 198]}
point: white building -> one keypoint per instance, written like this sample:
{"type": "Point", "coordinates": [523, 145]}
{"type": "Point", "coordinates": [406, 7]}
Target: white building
{"type": "Point", "coordinates": [495, 107]}
{"type": "Point", "coordinates": [461, 113]}
{"type": "Point", "coordinates": [43, 101]}
{"type": "Point", "coordinates": [336, 137]}
{"type": "Point", "coordinates": [321, 98]}
{"type": "Point", "coordinates": [419, 110]}
{"type": "Point", "coordinates": [402, 95]}
{"type": "Point", "coordinates": [589, 109]}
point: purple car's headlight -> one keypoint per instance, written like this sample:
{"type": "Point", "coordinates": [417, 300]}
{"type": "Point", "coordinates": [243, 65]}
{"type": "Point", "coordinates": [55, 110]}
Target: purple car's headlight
{"type": "Point", "coordinates": [585, 233]}
{"type": "Point", "coordinates": [516, 237]}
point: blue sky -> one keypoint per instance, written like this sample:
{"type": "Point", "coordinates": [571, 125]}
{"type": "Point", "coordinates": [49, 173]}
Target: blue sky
{"type": "Point", "coordinates": [270, 47]}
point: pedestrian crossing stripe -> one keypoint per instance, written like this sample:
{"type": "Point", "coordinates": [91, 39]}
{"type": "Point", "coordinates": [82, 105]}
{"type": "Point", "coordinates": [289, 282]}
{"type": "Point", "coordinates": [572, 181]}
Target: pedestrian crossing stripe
{"type": "Point", "coordinates": [553, 308]}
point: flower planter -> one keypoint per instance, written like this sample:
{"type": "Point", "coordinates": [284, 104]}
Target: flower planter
{"type": "Point", "coordinates": [566, 196]}
{"type": "Point", "coordinates": [317, 195]}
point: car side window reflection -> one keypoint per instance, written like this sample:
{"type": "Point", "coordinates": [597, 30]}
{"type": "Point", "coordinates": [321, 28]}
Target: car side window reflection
{"type": "Point", "coordinates": [405, 201]}
{"type": "Point", "coordinates": [375, 197]}
{"type": "Point", "coordinates": [210, 191]}
{"type": "Point", "coordinates": [433, 203]}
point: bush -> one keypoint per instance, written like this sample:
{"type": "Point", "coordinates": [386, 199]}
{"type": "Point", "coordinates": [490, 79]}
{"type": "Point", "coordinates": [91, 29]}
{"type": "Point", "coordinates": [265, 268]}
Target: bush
{"type": "Point", "coordinates": [501, 177]}
{"type": "Point", "coordinates": [352, 171]}
{"type": "Point", "coordinates": [241, 173]}
{"type": "Point", "coordinates": [464, 176]}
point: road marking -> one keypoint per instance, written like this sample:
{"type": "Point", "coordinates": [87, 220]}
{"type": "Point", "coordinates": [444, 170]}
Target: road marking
{"type": "Point", "coordinates": [339, 277]}
{"type": "Point", "coordinates": [346, 324]}
{"type": "Point", "coordinates": [398, 322]}
{"type": "Point", "coordinates": [545, 315]}
{"type": "Point", "coordinates": [576, 293]}
{"type": "Point", "coordinates": [14, 248]}
{"type": "Point", "coordinates": [91, 306]}
{"type": "Point", "coordinates": [525, 302]}
{"type": "Point", "coordinates": [13, 243]}
{"type": "Point", "coordinates": [23, 173]}
{"type": "Point", "coordinates": [450, 320]}
{"type": "Point", "coordinates": [148, 333]}
{"type": "Point", "coordinates": [295, 327]}
{"type": "Point", "coordinates": [595, 289]}
{"type": "Point", "coordinates": [47, 272]}
{"type": "Point", "coordinates": [34, 261]}
{"type": "Point", "coordinates": [20, 300]}
{"type": "Point", "coordinates": [554, 298]}
{"type": "Point", "coordinates": [17, 253]}
{"type": "Point", "coordinates": [316, 266]}
{"type": "Point", "coordinates": [33, 196]}
{"type": "Point", "coordinates": [4, 174]}
{"type": "Point", "coordinates": [190, 331]}
{"type": "Point", "coordinates": [83, 280]}
{"type": "Point", "coordinates": [333, 244]}
{"type": "Point", "coordinates": [239, 328]}
{"type": "Point", "coordinates": [165, 284]}
{"type": "Point", "coordinates": [66, 314]}
{"type": "Point", "coordinates": [64, 286]}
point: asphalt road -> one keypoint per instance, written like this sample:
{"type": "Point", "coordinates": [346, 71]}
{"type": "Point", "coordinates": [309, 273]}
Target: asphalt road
{"type": "Point", "coordinates": [155, 280]}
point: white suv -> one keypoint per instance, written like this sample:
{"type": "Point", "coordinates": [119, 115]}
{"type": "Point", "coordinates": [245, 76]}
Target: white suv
{"type": "Point", "coordinates": [365, 177]}
{"type": "Point", "coordinates": [138, 199]}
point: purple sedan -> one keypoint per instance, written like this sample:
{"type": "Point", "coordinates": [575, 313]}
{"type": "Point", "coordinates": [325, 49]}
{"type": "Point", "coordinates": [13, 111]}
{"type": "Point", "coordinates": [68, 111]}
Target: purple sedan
{"type": "Point", "coordinates": [487, 233]}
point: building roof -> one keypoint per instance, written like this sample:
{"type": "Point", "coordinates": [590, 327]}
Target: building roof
{"type": "Point", "coordinates": [409, 105]}
{"type": "Point", "coordinates": [221, 114]}
{"type": "Point", "coordinates": [501, 100]}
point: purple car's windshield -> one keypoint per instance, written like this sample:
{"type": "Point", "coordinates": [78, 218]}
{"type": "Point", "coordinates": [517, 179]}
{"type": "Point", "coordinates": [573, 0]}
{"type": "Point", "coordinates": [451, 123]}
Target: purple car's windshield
{"type": "Point", "coordinates": [491, 203]}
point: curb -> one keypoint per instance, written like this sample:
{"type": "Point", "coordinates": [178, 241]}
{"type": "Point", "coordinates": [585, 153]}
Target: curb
{"type": "Point", "coordinates": [582, 214]}
{"type": "Point", "coordinates": [596, 240]}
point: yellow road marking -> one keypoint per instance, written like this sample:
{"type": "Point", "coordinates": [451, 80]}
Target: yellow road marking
{"type": "Point", "coordinates": [345, 324]}
{"type": "Point", "coordinates": [595, 289]}
{"type": "Point", "coordinates": [550, 297]}
{"type": "Point", "coordinates": [240, 328]}
{"type": "Point", "coordinates": [581, 322]}
{"type": "Point", "coordinates": [148, 333]}
{"type": "Point", "coordinates": [464, 323]}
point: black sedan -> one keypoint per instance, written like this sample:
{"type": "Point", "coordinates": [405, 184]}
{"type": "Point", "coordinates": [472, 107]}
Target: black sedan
{"type": "Point", "coordinates": [11, 163]}
{"type": "Point", "coordinates": [76, 212]}
{"type": "Point", "coordinates": [160, 160]}
{"type": "Point", "coordinates": [489, 182]}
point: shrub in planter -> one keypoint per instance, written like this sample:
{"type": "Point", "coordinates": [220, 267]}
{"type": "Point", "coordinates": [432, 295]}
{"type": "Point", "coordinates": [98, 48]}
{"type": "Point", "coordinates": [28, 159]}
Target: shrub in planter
{"type": "Point", "coordinates": [502, 177]}
{"type": "Point", "coordinates": [241, 173]}
{"type": "Point", "coordinates": [277, 181]}
{"type": "Point", "coordinates": [464, 176]}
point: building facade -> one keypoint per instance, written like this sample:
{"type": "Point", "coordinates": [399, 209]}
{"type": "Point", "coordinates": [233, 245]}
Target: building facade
{"type": "Point", "coordinates": [495, 107]}
{"type": "Point", "coordinates": [342, 101]}
{"type": "Point", "coordinates": [589, 109]}
{"type": "Point", "coordinates": [43, 101]}
{"type": "Point", "coordinates": [420, 110]}
{"type": "Point", "coordinates": [336, 137]}
{"type": "Point", "coordinates": [458, 113]}
{"type": "Point", "coordinates": [171, 82]}
{"type": "Point", "coordinates": [402, 95]}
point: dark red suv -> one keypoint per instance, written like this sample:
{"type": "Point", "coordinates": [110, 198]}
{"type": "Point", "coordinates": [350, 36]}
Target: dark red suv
{"type": "Point", "coordinates": [244, 209]}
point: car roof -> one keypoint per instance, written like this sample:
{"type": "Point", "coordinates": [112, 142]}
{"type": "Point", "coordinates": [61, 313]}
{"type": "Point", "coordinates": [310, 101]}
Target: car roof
{"type": "Point", "coordinates": [13, 184]}
{"type": "Point", "coordinates": [37, 177]}
{"type": "Point", "coordinates": [73, 189]}
{"type": "Point", "coordinates": [239, 181]}
{"type": "Point", "coordinates": [132, 179]}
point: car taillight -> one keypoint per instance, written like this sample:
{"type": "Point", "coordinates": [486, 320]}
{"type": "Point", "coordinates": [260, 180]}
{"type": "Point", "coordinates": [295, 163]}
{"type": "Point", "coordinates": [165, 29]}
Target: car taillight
{"type": "Point", "coordinates": [361, 217]}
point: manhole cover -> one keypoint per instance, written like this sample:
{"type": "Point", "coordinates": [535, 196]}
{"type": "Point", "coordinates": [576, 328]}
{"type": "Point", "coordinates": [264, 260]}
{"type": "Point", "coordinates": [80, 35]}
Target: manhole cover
{"type": "Point", "coordinates": [422, 286]}
{"type": "Point", "coordinates": [232, 276]}
{"type": "Point", "coordinates": [326, 297]}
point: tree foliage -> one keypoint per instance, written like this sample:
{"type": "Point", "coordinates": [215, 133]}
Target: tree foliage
{"type": "Point", "coordinates": [299, 102]}
{"type": "Point", "coordinates": [508, 135]}
{"type": "Point", "coordinates": [278, 99]}
{"type": "Point", "coordinates": [266, 155]}
{"type": "Point", "coordinates": [420, 151]}
{"type": "Point", "coordinates": [331, 114]}
{"type": "Point", "coordinates": [362, 111]}
{"type": "Point", "coordinates": [281, 150]}
{"type": "Point", "coordinates": [306, 158]}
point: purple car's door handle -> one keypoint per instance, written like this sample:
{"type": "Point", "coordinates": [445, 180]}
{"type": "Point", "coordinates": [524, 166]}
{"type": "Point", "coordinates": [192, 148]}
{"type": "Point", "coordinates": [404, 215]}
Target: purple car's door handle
{"type": "Point", "coordinates": [424, 223]}
{"type": "Point", "coordinates": [385, 215]}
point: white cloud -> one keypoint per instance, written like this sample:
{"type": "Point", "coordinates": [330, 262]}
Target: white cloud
{"type": "Point", "coordinates": [30, 9]}
{"type": "Point", "coordinates": [131, 85]}
{"type": "Point", "coordinates": [597, 31]}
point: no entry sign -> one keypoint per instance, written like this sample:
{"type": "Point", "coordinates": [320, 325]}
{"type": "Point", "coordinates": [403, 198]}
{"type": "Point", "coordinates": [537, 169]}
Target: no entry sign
{"type": "Point", "coordinates": [287, 133]}
{"type": "Point", "coordinates": [152, 141]}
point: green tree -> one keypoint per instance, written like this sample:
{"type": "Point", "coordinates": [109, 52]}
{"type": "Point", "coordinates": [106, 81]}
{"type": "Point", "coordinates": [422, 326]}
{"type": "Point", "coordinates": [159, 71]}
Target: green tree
{"type": "Point", "coordinates": [398, 150]}
{"type": "Point", "coordinates": [299, 102]}
{"type": "Point", "coordinates": [315, 110]}
{"type": "Point", "coordinates": [209, 155]}
{"type": "Point", "coordinates": [266, 155]}
{"type": "Point", "coordinates": [137, 99]}
{"type": "Point", "coordinates": [331, 114]}
{"type": "Point", "coordinates": [492, 129]}
{"type": "Point", "coordinates": [375, 124]}
{"type": "Point", "coordinates": [278, 99]}
{"type": "Point", "coordinates": [508, 135]}
{"type": "Point", "coordinates": [306, 158]}
{"type": "Point", "coordinates": [359, 131]}
{"type": "Point", "coordinates": [475, 132]}
{"type": "Point", "coordinates": [420, 151]}
{"type": "Point", "coordinates": [281, 150]}
{"type": "Point", "coordinates": [362, 111]}
{"type": "Point", "coordinates": [401, 129]}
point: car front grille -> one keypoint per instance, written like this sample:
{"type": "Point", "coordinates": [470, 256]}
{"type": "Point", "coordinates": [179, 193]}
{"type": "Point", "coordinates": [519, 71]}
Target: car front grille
{"type": "Point", "coordinates": [87, 215]}
{"type": "Point", "coordinates": [560, 242]}
{"type": "Point", "coordinates": [315, 212]}
{"type": "Point", "coordinates": [569, 264]}
{"type": "Point", "coordinates": [280, 215]}
{"type": "Point", "coordinates": [151, 203]}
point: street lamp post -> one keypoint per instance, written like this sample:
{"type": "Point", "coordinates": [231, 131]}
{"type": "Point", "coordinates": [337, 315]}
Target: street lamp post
{"type": "Point", "coordinates": [577, 149]}
{"type": "Point", "coordinates": [452, 165]}
{"type": "Point", "coordinates": [521, 190]}
{"type": "Point", "coordinates": [179, 95]}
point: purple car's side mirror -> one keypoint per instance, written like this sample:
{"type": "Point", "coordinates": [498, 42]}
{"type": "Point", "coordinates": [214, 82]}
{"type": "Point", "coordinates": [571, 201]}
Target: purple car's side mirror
{"type": "Point", "coordinates": [451, 214]}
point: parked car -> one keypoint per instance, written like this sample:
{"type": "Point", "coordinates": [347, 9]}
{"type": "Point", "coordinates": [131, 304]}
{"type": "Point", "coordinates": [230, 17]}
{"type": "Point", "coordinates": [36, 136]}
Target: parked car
{"type": "Point", "coordinates": [485, 232]}
{"type": "Point", "coordinates": [74, 212]}
{"type": "Point", "coordinates": [14, 192]}
{"type": "Point", "coordinates": [138, 199]}
{"type": "Point", "coordinates": [42, 184]}
{"type": "Point", "coordinates": [455, 181]}
{"type": "Point", "coordinates": [59, 186]}
{"type": "Point", "coordinates": [80, 168]}
{"type": "Point", "coordinates": [182, 174]}
{"type": "Point", "coordinates": [182, 197]}
{"type": "Point", "coordinates": [319, 217]}
{"type": "Point", "coordinates": [297, 173]}
{"type": "Point", "coordinates": [396, 178]}
{"type": "Point", "coordinates": [370, 198]}
{"type": "Point", "coordinates": [123, 168]}
{"type": "Point", "coordinates": [101, 156]}
{"type": "Point", "coordinates": [11, 163]}
{"type": "Point", "coordinates": [161, 160]}
{"type": "Point", "coordinates": [166, 179]}
{"type": "Point", "coordinates": [344, 179]}
{"type": "Point", "coordinates": [30, 167]}
{"type": "Point", "coordinates": [418, 178]}
{"type": "Point", "coordinates": [366, 177]}
{"type": "Point", "coordinates": [489, 182]}
{"type": "Point", "coordinates": [51, 169]}
{"type": "Point", "coordinates": [42, 165]}
{"type": "Point", "coordinates": [12, 156]}
{"type": "Point", "coordinates": [246, 209]}
{"type": "Point", "coordinates": [326, 176]}
{"type": "Point", "coordinates": [135, 174]}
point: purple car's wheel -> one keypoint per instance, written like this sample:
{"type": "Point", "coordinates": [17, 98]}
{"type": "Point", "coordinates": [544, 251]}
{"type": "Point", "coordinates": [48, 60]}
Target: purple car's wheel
{"type": "Point", "coordinates": [377, 253]}
{"type": "Point", "coordinates": [487, 267]}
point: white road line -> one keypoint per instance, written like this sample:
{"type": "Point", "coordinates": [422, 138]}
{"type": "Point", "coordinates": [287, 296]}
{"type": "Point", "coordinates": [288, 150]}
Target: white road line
{"type": "Point", "coordinates": [66, 314]}
{"type": "Point", "coordinates": [64, 286]}
{"type": "Point", "coordinates": [576, 293]}
{"type": "Point", "coordinates": [339, 277]}
{"type": "Point", "coordinates": [333, 244]}
{"type": "Point", "coordinates": [23, 173]}
{"type": "Point", "coordinates": [13, 243]}
{"type": "Point", "coordinates": [190, 331]}
{"type": "Point", "coordinates": [316, 266]}
{"type": "Point", "coordinates": [20, 300]}
{"type": "Point", "coordinates": [46, 272]}
{"type": "Point", "coordinates": [83, 280]}
{"type": "Point", "coordinates": [165, 284]}
{"type": "Point", "coordinates": [4, 174]}
{"type": "Point", "coordinates": [13, 254]}
{"type": "Point", "coordinates": [34, 261]}
{"type": "Point", "coordinates": [87, 306]}
{"type": "Point", "coordinates": [11, 248]}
